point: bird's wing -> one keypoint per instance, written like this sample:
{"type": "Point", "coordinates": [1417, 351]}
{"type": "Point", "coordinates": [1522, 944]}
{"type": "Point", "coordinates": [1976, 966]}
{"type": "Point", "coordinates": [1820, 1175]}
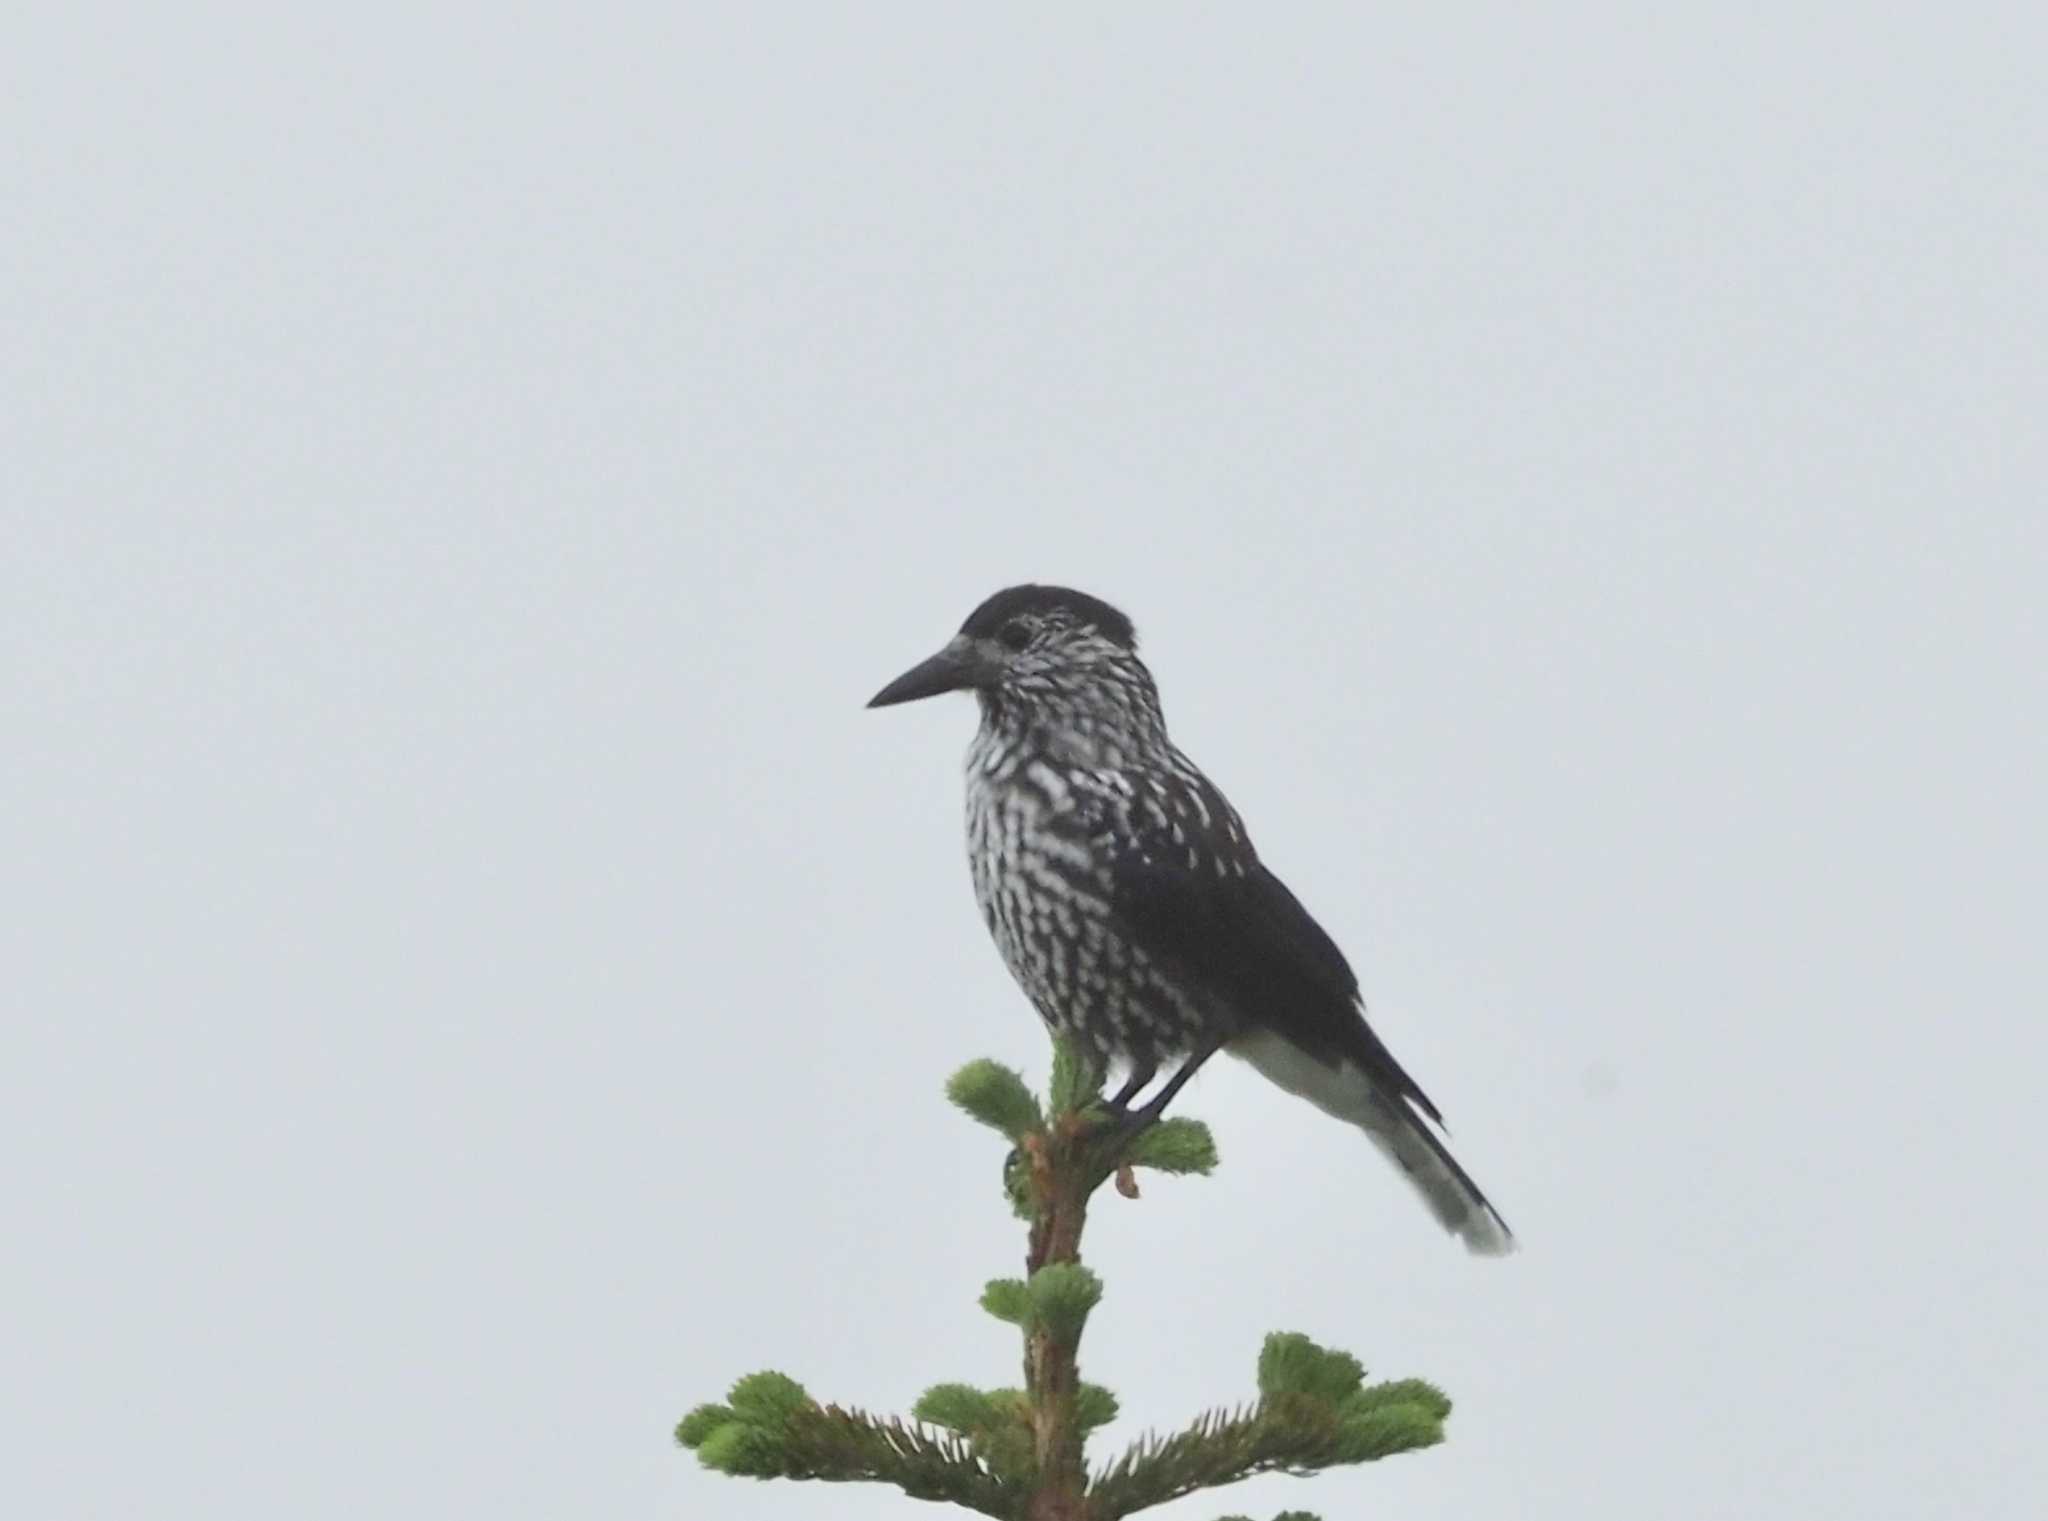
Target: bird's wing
{"type": "Point", "coordinates": [1183, 878]}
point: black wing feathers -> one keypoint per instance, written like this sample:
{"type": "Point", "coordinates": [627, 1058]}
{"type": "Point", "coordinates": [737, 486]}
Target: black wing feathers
{"type": "Point", "coordinates": [1240, 933]}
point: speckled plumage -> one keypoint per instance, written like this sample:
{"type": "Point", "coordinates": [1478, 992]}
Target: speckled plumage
{"type": "Point", "coordinates": [1045, 834]}
{"type": "Point", "coordinates": [1125, 895]}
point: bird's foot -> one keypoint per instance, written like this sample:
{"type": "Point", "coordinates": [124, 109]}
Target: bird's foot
{"type": "Point", "coordinates": [1138, 1080]}
{"type": "Point", "coordinates": [1116, 1108]}
{"type": "Point", "coordinates": [1124, 1124]}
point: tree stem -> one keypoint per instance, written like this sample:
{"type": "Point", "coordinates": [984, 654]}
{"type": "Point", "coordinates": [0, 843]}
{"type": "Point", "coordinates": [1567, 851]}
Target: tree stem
{"type": "Point", "coordinates": [1065, 1171]}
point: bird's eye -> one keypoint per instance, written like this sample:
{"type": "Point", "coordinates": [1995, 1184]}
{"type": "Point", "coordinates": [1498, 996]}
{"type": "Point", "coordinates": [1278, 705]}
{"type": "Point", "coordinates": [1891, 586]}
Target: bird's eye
{"type": "Point", "coordinates": [1015, 634]}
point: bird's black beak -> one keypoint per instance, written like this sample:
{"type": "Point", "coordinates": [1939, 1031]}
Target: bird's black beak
{"type": "Point", "coordinates": [948, 671]}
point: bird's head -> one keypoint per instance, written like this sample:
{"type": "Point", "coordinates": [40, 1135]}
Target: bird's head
{"type": "Point", "coordinates": [1034, 649]}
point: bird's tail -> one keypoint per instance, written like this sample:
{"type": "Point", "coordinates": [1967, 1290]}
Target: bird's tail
{"type": "Point", "coordinates": [1348, 1092]}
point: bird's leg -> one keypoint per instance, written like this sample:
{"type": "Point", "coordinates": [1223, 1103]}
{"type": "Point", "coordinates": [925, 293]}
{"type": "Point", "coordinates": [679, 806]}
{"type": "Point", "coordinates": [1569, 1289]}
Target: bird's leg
{"type": "Point", "coordinates": [1136, 1120]}
{"type": "Point", "coordinates": [1119, 1103]}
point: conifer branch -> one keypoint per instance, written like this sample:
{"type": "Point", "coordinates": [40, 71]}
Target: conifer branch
{"type": "Point", "coordinates": [1019, 1453]}
{"type": "Point", "coordinates": [804, 1440]}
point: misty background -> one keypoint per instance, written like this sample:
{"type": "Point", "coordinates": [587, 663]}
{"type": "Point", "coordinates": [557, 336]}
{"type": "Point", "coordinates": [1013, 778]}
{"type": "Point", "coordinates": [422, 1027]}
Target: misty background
{"type": "Point", "coordinates": [477, 980]}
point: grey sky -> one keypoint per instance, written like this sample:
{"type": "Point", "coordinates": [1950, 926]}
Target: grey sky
{"type": "Point", "coordinates": [478, 980]}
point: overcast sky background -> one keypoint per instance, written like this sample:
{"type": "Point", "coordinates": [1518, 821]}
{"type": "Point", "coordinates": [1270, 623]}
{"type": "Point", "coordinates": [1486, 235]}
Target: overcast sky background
{"type": "Point", "coordinates": [477, 980]}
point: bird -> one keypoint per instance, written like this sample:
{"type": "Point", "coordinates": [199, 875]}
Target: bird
{"type": "Point", "coordinates": [1128, 902]}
